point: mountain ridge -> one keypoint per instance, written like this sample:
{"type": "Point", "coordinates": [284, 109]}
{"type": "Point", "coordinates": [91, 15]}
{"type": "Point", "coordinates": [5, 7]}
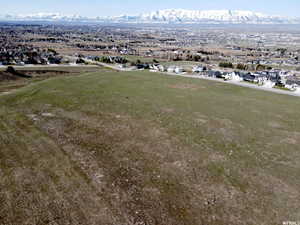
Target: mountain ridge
{"type": "Point", "coordinates": [166, 16]}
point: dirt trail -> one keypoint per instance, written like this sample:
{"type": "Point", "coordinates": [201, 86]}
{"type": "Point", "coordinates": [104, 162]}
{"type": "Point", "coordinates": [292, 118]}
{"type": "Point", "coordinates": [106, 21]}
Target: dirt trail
{"type": "Point", "coordinates": [7, 92]}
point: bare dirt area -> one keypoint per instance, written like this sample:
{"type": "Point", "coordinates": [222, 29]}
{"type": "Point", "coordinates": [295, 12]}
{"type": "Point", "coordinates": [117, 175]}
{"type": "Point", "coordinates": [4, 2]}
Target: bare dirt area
{"type": "Point", "coordinates": [5, 76]}
{"type": "Point", "coordinates": [186, 86]}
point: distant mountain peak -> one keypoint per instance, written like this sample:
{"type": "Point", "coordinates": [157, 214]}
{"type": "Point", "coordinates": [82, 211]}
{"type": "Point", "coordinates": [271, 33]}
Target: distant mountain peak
{"type": "Point", "coordinates": [214, 16]}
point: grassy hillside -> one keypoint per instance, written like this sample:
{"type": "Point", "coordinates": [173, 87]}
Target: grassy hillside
{"type": "Point", "coordinates": [142, 148]}
{"type": "Point", "coordinates": [9, 81]}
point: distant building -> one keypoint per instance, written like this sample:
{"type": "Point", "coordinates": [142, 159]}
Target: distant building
{"type": "Point", "coordinates": [198, 69]}
{"type": "Point", "coordinates": [179, 70]}
{"type": "Point", "coordinates": [171, 69]}
{"type": "Point", "coordinates": [235, 76]}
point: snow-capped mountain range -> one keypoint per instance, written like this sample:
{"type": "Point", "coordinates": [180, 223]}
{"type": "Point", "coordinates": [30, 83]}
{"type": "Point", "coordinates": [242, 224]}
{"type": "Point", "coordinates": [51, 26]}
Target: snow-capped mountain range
{"type": "Point", "coordinates": [166, 16]}
{"type": "Point", "coordinates": [42, 17]}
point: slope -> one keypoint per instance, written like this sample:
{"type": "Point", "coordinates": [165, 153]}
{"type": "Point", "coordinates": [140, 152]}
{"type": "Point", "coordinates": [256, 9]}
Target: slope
{"type": "Point", "coordinates": [143, 148]}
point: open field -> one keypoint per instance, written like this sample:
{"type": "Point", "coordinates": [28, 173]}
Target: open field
{"type": "Point", "coordinates": [142, 148]}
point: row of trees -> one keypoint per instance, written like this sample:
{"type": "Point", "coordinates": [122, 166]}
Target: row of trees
{"type": "Point", "coordinates": [241, 66]}
{"type": "Point", "coordinates": [188, 57]}
{"type": "Point", "coordinates": [226, 65]}
{"type": "Point", "coordinates": [107, 59]}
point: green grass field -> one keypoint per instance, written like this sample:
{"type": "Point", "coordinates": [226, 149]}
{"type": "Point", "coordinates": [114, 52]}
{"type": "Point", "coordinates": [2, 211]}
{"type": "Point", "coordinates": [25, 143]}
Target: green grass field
{"type": "Point", "coordinates": [143, 148]}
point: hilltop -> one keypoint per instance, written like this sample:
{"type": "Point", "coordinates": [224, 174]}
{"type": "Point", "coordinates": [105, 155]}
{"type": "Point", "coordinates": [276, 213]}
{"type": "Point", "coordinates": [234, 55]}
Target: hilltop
{"type": "Point", "coordinates": [144, 148]}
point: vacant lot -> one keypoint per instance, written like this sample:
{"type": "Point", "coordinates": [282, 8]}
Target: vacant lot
{"type": "Point", "coordinates": [141, 148]}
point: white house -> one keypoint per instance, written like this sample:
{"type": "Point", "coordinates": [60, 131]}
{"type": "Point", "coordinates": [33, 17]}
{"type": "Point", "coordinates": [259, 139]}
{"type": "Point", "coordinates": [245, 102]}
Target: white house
{"type": "Point", "coordinates": [226, 76]}
{"type": "Point", "coordinates": [171, 69]}
{"type": "Point", "coordinates": [159, 68]}
{"type": "Point", "coordinates": [235, 76]}
{"type": "Point", "coordinates": [198, 69]}
{"type": "Point", "coordinates": [178, 70]}
{"type": "Point", "coordinates": [269, 84]}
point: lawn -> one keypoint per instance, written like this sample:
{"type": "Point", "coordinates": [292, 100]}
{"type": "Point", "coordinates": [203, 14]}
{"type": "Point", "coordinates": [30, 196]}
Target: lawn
{"type": "Point", "coordinates": [145, 148]}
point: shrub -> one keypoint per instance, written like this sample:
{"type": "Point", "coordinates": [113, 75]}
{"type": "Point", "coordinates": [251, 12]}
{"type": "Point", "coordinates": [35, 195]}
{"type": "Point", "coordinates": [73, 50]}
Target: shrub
{"type": "Point", "coordinates": [226, 64]}
{"type": "Point", "coordinates": [241, 66]}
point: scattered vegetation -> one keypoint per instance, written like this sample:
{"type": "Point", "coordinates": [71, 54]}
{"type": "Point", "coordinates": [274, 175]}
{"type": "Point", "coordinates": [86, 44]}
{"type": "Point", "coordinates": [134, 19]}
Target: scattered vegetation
{"type": "Point", "coordinates": [138, 148]}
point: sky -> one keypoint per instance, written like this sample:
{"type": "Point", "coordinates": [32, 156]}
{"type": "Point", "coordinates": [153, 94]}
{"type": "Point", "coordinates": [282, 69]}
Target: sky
{"type": "Point", "coordinates": [94, 8]}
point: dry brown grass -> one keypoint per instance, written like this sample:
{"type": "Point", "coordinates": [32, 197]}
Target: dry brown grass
{"type": "Point", "coordinates": [116, 155]}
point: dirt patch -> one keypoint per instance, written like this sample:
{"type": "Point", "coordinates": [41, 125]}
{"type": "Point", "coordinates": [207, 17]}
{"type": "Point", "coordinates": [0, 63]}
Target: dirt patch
{"type": "Point", "coordinates": [201, 120]}
{"type": "Point", "coordinates": [255, 111]}
{"type": "Point", "coordinates": [42, 72]}
{"type": "Point", "coordinates": [292, 138]}
{"type": "Point", "coordinates": [282, 191]}
{"type": "Point", "coordinates": [275, 124]}
{"type": "Point", "coordinates": [5, 76]}
{"type": "Point", "coordinates": [168, 110]}
{"type": "Point", "coordinates": [224, 128]}
{"type": "Point", "coordinates": [291, 141]}
{"type": "Point", "coordinates": [186, 86]}
{"type": "Point", "coordinates": [46, 114]}
{"type": "Point", "coordinates": [5, 93]}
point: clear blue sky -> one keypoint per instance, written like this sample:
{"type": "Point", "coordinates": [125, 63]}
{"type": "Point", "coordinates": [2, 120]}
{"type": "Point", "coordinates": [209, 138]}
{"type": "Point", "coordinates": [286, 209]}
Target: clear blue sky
{"type": "Point", "coordinates": [117, 7]}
